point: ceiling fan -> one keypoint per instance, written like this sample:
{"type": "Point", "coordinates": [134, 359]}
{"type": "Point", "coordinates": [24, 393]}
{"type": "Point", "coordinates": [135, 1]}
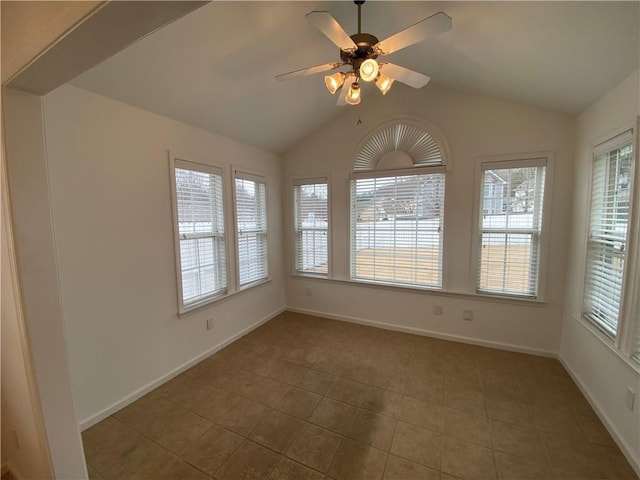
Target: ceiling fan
{"type": "Point", "coordinates": [360, 51]}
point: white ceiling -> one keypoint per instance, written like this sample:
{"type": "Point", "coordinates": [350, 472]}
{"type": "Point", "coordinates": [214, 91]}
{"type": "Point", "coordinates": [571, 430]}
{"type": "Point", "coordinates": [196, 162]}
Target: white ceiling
{"type": "Point", "coordinates": [215, 68]}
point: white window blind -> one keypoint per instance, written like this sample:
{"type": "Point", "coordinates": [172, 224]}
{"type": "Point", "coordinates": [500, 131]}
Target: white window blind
{"type": "Point", "coordinates": [251, 225]}
{"type": "Point", "coordinates": [608, 232]}
{"type": "Point", "coordinates": [200, 232]}
{"type": "Point", "coordinates": [510, 227]}
{"type": "Point", "coordinates": [396, 229]}
{"type": "Point", "coordinates": [310, 223]}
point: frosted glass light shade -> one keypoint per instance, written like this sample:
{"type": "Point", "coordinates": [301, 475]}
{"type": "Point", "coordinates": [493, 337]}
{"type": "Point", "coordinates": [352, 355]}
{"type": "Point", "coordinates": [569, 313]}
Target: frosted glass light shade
{"type": "Point", "coordinates": [353, 95]}
{"type": "Point", "coordinates": [384, 82]}
{"type": "Point", "coordinates": [334, 82]}
{"type": "Point", "coordinates": [369, 70]}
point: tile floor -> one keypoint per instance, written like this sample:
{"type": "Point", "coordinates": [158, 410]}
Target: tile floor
{"type": "Point", "coordinates": [307, 398]}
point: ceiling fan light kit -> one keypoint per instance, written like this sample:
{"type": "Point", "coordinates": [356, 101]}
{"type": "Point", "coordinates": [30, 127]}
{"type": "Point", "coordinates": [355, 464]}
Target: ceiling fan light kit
{"type": "Point", "coordinates": [360, 51]}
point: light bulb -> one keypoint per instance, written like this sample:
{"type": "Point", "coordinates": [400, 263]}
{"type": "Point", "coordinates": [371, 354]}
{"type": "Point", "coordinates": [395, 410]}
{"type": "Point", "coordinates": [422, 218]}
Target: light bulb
{"type": "Point", "coordinates": [369, 70]}
{"type": "Point", "coordinates": [334, 82]}
{"type": "Point", "coordinates": [383, 82]}
{"type": "Point", "coordinates": [353, 95]}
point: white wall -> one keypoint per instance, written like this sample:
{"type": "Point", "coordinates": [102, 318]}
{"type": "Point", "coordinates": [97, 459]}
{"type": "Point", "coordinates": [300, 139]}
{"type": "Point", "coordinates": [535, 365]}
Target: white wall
{"type": "Point", "coordinates": [474, 126]}
{"type": "Point", "coordinates": [603, 375]}
{"type": "Point", "coordinates": [112, 216]}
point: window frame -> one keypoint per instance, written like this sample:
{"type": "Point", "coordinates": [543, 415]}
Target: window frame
{"type": "Point", "coordinates": [507, 161]}
{"type": "Point", "coordinates": [181, 161]}
{"type": "Point", "coordinates": [309, 180]}
{"type": "Point", "coordinates": [258, 177]}
{"type": "Point", "coordinates": [415, 171]}
{"type": "Point", "coordinates": [628, 323]}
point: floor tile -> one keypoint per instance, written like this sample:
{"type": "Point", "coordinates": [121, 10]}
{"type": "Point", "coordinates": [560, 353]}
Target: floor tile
{"type": "Point", "coordinates": [211, 449]}
{"type": "Point", "coordinates": [299, 403]}
{"type": "Point", "coordinates": [277, 430]}
{"type": "Point", "coordinates": [381, 401]}
{"type": "Point", "coordinates": [417, 444]}
{"type": "Point", "coordinates": [401, 469]}
{"type": "Point", "coordinates": [422, 413]}
{"type": "Point", "coordinates": [333, 415]}
{"type": "Point", "coordinates": [108, 442]}
{"type": "Point", "coordinates": [347, 391]}
{"type": "Point", "coordinates": [511, 467]}
{"type": "Point", "coordinates": [149, 415]}
{"type": "Point", "coordinates": [372, 429]}
{"type": "Point", "coordinates": [143, 461]}
{"type": "Point", "coordinates": [356, 461]}
{"type": "Point", "coordinates": [314, 447]}
{"type": "Point", "coordinates": [424, 389]}
{"type": "Point", "coordinates": [316, 381]}
{"type": "Point", "coordinates": [181, 431]}
{"type": "Point", "coordinates": [512, 412]}
{"type": "Point", "coordinates": [243, 417]}
{"type": "Point", "coordinates": [468, 400]}
{"type": "Point", "coordinates": [518, 440]}
{"type": "Point", "coordinates": [216, 404]}
{"type": "Point", "coordinates": [467, 460]}
{"type": "Point", "coordinates": [465, 426]}
{"type": "Point", "coordinates": [249, 462]}
{"type": "Point", "coordinates": [594, 430]}
{"type": "Point", "coordinates": [287, 469]}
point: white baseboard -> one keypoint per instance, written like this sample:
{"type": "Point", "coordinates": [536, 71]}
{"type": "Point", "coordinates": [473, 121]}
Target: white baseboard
{"type": "Point", "coordinates": [132, 397]}
{"type": "Point", "coordinates": [427, 333]}
{"type": "Point", "coordinates": [627, 451]}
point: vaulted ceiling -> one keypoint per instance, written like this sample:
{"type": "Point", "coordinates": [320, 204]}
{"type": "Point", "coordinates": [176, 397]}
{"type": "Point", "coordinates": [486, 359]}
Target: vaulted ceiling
{"type": "Point", "coordinates": [215, 68]}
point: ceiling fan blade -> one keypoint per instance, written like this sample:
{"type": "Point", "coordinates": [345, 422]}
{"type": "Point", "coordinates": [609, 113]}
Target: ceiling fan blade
{"type": "Point", "coordinates": [404, 75]}
{"type": "Point", "coordinates": [328, 25]}
{"type": "Point", "coordinates": [437, 23]}
{"type": "Point", "coordinates": [342, 94]}
{"type": "Point", "coordinates": [304, 72]}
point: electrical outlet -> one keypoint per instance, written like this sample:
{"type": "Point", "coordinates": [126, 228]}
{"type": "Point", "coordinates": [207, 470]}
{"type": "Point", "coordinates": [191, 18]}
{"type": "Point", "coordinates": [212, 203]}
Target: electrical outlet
{"type": "Point", "coordinates": [630, 399]}
{"type": "Point", "coordinates": [210, 324]}
{"type": "Point", "coordinates": [307, 292]}
{"type": "Point", "coordinates": [467, 315]}
{"type": "Point", "coordinates": [437, 309]}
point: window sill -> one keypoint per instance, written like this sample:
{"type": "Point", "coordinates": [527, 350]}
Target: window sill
{"type": "Point", "coordinates": [221, 298]}
{"type": "Point", "coordinates": [435, 291]}
{"type": "Point", "coordinates": [607, 341]}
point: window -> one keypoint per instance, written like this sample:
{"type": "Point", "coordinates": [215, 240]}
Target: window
{"type": "Point", "coordinates": [397, 206]}
{"type": "Point", "coordinates": [199, 232]}
{"type": "Point", "coordinates": [397, 229]}
{"type": "Point", "coordinates": [311, 217]}
{"type": "Point", "coordinates": [251, 227]}
{"type": "Point", "coordinates": [608, 232]}
{"type": "Point", "coordinates": [510, 227]}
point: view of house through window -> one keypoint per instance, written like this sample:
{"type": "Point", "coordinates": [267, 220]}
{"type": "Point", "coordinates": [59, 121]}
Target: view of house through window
{"type": "Point", "coordinates": [310, 207]}
{"type": "Point", "coordinates": [200, 232]}
{"type": "Point", "coordinates": [251, 228]}
{"type": "Point", "coordinates": [396, 227]}
{"type": "Point", "coordinates": [510, 227]}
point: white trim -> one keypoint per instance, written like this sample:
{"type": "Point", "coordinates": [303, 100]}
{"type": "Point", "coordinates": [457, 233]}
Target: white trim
{"type": "Point", "coordinates": [289, 208]}
{"type": "Point", "coordinates": [257, 177]}
{"type": "Point", "coordinates": [426, 333]}
{"type": "Point", "coordinates": [133, 396]}
{"type": "Point", "coordinates": [514, 160]}
{"type": "Point", "coordinates": [627, 451]}
{"type": "Point", "coordinates": [398, 172]}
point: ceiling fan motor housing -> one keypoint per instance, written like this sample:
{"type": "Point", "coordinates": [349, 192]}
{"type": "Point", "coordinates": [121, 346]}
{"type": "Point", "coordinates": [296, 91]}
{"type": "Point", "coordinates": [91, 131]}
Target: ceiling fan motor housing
{"type": "Point", "coordinates": [365, 43]}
